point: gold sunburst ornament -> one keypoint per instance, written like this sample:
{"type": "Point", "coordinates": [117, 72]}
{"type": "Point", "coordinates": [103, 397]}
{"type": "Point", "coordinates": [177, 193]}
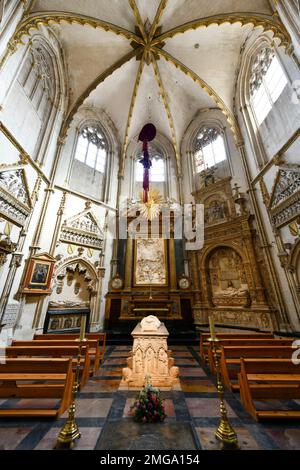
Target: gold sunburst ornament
{"type": "Point", "coordinates": [150, 209]}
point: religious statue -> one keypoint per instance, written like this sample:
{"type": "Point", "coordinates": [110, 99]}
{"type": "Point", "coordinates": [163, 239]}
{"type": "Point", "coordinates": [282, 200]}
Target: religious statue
{"type": "Point", "coordinates": [208, 176]}
{"type": "Point", "coordinates": [162, 362]}
{"type": "Point", "coordinates": [139, 361]}
{"type": "Point", "coordinates": [149, 361]}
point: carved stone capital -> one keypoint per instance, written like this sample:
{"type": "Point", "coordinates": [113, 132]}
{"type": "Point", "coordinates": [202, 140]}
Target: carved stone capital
{"type": "Point", "coordinates": [3, 258]}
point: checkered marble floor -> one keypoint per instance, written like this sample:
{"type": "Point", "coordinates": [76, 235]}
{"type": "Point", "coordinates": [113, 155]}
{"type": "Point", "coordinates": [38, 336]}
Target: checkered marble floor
{"type": "Point", "coordinates": [103, 415]}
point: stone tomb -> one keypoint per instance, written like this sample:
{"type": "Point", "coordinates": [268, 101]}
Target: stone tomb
{"type": "Point", "coordinates": [150, 357]}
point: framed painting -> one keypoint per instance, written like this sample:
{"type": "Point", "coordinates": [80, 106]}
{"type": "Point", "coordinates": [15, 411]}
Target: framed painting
{"type": "Point", "coordinates": [38, 274]}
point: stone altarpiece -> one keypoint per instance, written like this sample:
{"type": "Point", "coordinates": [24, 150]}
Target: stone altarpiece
{"type": "Point", "coordinates": [226, 274]}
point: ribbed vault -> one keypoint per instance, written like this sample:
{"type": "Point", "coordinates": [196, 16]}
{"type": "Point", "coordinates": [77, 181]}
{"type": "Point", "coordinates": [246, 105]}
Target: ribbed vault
{"type": "Point", "coordinates": [160, 60]}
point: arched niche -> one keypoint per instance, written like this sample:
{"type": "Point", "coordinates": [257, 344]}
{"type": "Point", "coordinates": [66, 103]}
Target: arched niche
{"type": "Point", "coordinates": [74, 288]}
{"type": "Point", "coordinates": [226, 279]}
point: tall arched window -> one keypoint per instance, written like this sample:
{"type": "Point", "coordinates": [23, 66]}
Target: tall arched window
{"type": "Point", "coordinates": [209, 148]}
{"type": "Point", "coordinates": [37, 79]}
{"type": "Point", "coordinates": [267, 83]}
{"type": "Point", "coordinates": [157, 170]}
{"type": "Point", "coordinates": [91, 148]}
{"type": "Point", "coordinates": [37, 92]}
{"type": "Point", "coordinates": [88, 171]}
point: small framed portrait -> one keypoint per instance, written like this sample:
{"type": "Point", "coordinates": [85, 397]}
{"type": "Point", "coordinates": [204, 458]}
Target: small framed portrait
{"type": "Point", "coordinates": [38, 274]}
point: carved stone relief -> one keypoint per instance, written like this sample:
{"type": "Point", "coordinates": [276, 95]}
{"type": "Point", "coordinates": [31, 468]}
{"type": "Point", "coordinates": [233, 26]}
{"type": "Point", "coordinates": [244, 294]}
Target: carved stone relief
{"type": "Point", "coordinates": [150, 357]}
{"type": "Point", "coordinates": [84, 230]}
{"type": "Point", "coordinates": [218, 201]}
{"type": "Point", "coordinates": [216, 211]}
{"type": "Point", "coordinates": [285, 200]}
{"type": "Point", "coordinates": [150, 263]}
{"type": "Point", "coordinates": [228, 278]}
{"type": "Point", "coordinates": [15, 202]}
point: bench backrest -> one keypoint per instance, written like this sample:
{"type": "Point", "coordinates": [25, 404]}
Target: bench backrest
{"type": "Point", "coordinates": [36, 365]}
{"type": "Point", "coordinates": [50, 336]}
{"type": "Point", "coordinates": [222, 336]}
{"type": "Point", "coordinates": [256, 351]}
{"type": "Point", "coordinates": [256, 342]}
{"type": "Point", "coordinates": [91, 343]}
{"type": "Point", "coordinates": [44, 351]}
{"type": "Point", "coordinates": [269, 366]}
{"type": "Point", "coordinates": [205, 336]}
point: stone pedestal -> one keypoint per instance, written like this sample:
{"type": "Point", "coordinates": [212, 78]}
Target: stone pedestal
{"type": "Point", "coordinates": [150, 357]}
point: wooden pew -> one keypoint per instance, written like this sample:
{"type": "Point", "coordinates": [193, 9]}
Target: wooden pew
{"type": "Point", "coordinates": [100, 337]}
{"type": "Point", "coordinates": [91, 344]}
{"type": "Point", "coordinates": [205, 336]}
{"type": "Point", "coordinates": [36, 378]}
{"type": "Point", "coordinates": [54, 352]}
{"type": "Point", "coordinates": [269, 378]}
{"type": "Point", "coordinates": [246, 342]}
{"type": "Point", "coordinates": [230, 359]}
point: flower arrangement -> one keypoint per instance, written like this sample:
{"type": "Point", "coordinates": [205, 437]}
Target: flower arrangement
{"type": "Point", "coordinates": [148, 406]}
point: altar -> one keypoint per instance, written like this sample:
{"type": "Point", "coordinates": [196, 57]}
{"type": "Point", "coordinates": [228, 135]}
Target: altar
{"type": "Point", "coordinates": [147, 277]}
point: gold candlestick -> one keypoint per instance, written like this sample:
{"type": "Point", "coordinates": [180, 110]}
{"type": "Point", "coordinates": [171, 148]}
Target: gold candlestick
{"type": "Point", "coordinates": [82, 328]}
{"type": "Point", "coordinates": [70, 431]}
{"type": "Point", "coordinates": [212, 326]}
{"type": "Point", "coordinates": [225, 432]}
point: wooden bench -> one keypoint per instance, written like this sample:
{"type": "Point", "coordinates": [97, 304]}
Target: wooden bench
{"type": "Point", "coordinates": [36, 379]}
{"type": "Point", "coordinates": [100, 337]}
{"type": "Point", "coordinates": [91, 344]}
{"type": "Point", "coordinates": [246, 342]}
{"type": "Point", "coordinates": [204, 343]}
{"type": "Point", "coordinates": [269, 379]}
{"type": "Point", "coordinates": [230, 359]}
{"type": "Point", "coordinates": [54, 352]}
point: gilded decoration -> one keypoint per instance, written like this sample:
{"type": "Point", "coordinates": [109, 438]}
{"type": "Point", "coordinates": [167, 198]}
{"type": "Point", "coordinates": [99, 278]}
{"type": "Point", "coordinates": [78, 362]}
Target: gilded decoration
{"type": "Point", "coordinates": [217, 199]}
{"type": "Point", "coordinates": [216, 211]}
{"type": "Point", "coordinates": [227, 278]}
{"type": "Point", "coordinates": [247, 318]}
{"type": "Point", "coordinates": [150, 262]}
{"type": "Point", "coordinates": [227, 268]}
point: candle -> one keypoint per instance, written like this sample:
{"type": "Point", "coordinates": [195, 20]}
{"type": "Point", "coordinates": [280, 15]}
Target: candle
{"type": "Point", "coordinates": [212, 326]}
{"type": "Point", "coordinates": [82, 327]}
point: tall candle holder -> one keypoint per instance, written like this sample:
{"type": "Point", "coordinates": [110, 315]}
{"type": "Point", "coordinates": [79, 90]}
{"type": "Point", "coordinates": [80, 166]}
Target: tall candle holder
{"type": "Point", "coordinates": [225, 432]}
{"type": "Point", "coordinates": [70, 431]}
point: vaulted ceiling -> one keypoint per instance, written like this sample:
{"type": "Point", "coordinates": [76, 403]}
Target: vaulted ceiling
{"type": "Point", "coordinates": [155, 60]}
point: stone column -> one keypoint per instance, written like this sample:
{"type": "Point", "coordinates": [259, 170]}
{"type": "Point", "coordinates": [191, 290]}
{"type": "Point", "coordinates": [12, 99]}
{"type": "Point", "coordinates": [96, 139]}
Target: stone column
{"type": "Point", "coordinates": [283, 318]}
{"type": "Point", "coordinates": [128, 265]}
{"type": "Point", "coordinates": [172, 265]}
